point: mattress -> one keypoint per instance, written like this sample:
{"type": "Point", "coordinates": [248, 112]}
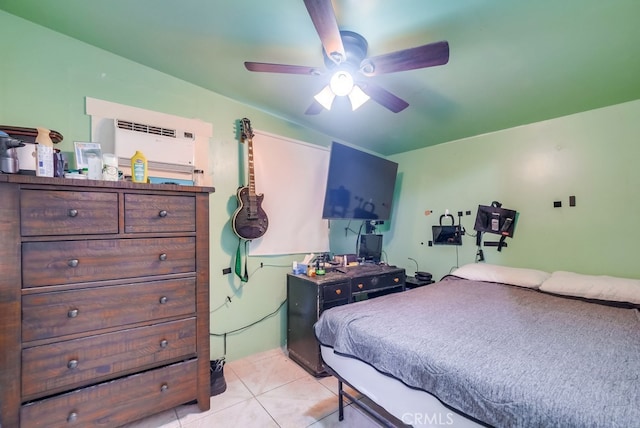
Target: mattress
{"type": "Point", "coordinates": [503, 355]}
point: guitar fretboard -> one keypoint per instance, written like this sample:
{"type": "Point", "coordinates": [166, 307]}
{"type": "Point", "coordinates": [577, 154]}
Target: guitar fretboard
{"type": "Point", "coordinates": [252, 183]}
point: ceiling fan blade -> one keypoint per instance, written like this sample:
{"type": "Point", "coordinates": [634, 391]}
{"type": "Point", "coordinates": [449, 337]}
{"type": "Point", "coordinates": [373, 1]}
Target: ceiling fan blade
{"type": "Point", "coordinates": [265, 67]}
{"type": "Point", "coordinates": [408, 59]}
{"type": "Point", "coordinates": [324, 19]}
{"type": "Point", "coordinates": [314, 108]}
{"type": "Point", "coordinates": [384, 97]}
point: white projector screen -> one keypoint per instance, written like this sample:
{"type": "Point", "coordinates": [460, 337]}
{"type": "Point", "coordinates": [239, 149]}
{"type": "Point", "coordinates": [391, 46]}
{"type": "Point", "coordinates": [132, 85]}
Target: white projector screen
{"type": "Point", "coordinates": [292, 176]}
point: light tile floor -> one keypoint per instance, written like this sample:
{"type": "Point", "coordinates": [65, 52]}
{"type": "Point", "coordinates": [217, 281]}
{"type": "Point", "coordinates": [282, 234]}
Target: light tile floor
{"type": "Point", "coordinates": [266, 390]}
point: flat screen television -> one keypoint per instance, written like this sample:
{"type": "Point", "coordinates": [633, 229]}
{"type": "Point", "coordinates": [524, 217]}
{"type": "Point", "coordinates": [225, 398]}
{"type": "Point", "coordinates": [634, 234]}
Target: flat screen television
{"type": "Point", "coordinates": [370, 248]}
{"type": "Point", "coordinates": [497, 220]}
{"type": "Point", "coordinates": [359, 185]}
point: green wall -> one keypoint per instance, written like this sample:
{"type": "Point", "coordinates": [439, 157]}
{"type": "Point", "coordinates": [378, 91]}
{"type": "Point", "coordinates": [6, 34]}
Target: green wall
{"type": "Point", "coordinates": [45, 77]}
{"type": "Point", "coordinates": [592, 155]}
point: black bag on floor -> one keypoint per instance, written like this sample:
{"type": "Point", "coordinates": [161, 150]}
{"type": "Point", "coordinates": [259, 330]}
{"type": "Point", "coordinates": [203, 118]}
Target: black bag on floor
{"type": "Point", "coordinates": [218, 384]}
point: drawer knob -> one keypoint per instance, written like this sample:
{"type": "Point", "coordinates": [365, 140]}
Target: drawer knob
{"type": "Point", "coordinates": [163, 300]}
{"type": "Point", "coordinates": [163, 257]}
{"type": "Point", "coordinates": [162, 213]}
{"type": "Point", "coordinates": [72, 364]}
{"type": "Point", "coordinates": [338, 291]}
{"type": "Point", "coordinates": [396, 280]}
{"type": "Point", "coordinates": [73, 213]}
{"type": "Point", "coordinates": [164, 387]}
{"type": "Point", "coordinates": [164, 343]}
{"type": "Point", "coordinates": [360, 286]}
{"type": "Point", "coordinates": [72, 313]}
{"type": "Point", "coordinates": [73, 263]}
{"type": "Point", "coordinates": [73, 416]}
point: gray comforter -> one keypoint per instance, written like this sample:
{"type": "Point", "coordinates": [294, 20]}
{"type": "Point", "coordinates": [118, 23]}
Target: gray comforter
{"type": "Point", "coordinates": [505, 355]}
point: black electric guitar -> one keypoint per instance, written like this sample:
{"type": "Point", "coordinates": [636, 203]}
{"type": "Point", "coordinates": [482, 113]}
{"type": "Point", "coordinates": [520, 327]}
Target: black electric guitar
{"type": "Point", "coordinates": [249, 220]}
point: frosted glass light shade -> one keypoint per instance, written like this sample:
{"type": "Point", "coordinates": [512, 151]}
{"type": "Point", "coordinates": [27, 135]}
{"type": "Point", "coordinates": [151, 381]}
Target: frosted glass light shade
{"type": "Point", "coordinates": [357, 97]}
{"type": "Point", "coordinates": [325, 97]}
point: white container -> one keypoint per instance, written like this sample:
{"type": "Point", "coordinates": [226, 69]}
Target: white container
{"type": "Point", "coordinates": [95, 167]}
{"type": "Point", "coordinates": [110, 167]}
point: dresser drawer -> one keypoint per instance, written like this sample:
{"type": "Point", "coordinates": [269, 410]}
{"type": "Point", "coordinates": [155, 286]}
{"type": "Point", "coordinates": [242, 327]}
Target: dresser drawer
{"type": "Point", "coordinates": [54, 263]}
{"type": "Point", "coordinates": [53, 212]}
{"type": "Point", "coordinates": [155, 213]}
{"type": "Point", "coordinates": [368, 283]}
{"type": "Point", "coordinates": [59, 313]}
{"type": "Point", "coordinates": [115, 403]}
{"type": "Point", "coordinates": [74, 363]}
{"type": "Point", "coordinates": [335, 291]}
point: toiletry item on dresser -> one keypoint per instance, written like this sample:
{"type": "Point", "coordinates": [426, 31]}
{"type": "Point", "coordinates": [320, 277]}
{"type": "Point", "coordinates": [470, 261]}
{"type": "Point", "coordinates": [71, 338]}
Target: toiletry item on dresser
{"type": "Point", "coordinates": [95, 167]}
{"type": "Point", "coordinates": [44, 153]}
{"type": "Point", "coordinates": [110, 167]}
{"type": "Point", "coordinates": [138, 168]}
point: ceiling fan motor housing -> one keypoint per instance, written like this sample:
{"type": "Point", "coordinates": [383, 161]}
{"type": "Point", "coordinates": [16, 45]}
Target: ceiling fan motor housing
{"type": "Point", "coordinates": [355, 48]}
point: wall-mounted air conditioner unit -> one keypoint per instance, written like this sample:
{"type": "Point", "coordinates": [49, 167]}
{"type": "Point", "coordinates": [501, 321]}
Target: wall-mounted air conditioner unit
{"type": "Point", "coordinates": [165, 149]}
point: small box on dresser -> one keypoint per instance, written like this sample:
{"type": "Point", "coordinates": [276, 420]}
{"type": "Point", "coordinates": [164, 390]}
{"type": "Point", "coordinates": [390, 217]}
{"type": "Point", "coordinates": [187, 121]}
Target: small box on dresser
{"type": "Point", "coordinates": [104, 300]}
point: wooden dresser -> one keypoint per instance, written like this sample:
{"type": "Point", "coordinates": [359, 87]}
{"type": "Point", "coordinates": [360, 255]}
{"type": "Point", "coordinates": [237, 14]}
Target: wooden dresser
{"type": "Point", "coordinates": [104, 300]}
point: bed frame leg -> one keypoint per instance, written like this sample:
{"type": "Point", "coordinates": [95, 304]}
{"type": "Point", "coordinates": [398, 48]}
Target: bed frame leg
{"type": "Point", "coordinates": [340, 401]}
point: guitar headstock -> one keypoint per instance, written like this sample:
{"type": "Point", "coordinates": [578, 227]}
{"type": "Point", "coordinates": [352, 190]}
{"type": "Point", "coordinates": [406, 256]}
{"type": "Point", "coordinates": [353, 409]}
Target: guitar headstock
{"type": "Point", "coordinates": [246, 132]}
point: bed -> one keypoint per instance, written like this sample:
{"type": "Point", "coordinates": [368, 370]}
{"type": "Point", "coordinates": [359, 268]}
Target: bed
{"type": "Point", "coordinates": [494, 346]}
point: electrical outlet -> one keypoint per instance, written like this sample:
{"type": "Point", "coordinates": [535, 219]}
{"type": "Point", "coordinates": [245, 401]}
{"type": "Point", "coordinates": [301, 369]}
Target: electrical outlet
{"type": "Point", "coordinates": [226, 271]}
{"type": "Point", "coordinates": [459, 213]}
{"type": "Point", "coordinates": [468, 212]}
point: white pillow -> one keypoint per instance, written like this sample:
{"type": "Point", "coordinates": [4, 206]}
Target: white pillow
{"type": "Point", "coordinates": [530, 278]}
{"type": "Point", "coordinates": [598, 287]}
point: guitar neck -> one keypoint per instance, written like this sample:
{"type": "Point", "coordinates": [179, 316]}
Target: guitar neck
{"type": "Point", "coordinates": [252, 181]}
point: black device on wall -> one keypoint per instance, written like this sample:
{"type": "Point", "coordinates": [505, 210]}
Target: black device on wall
{"type": "Point", "coordinates": [359, 185]}
{"type": "Point", "coordinates": [495, 219]}
{"type": "Point", "coordinates": [447, 234]}
{"type": "Point", "coordinates": [370, 248]}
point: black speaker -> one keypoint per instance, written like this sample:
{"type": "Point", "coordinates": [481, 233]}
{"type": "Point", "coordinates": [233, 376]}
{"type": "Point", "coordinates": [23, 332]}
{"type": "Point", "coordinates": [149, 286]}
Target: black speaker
{"type": "Point", "coordinates": [423, 276]}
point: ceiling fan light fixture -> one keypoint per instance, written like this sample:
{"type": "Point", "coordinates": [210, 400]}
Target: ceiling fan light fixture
{"type": "Point", "coordinates": [357, 97]}
{"type": "Point", "coordinates": [341, 83]}
{"type": "Point", "coordinates": [325, 97]}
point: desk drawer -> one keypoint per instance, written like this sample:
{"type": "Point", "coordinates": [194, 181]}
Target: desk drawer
{"type": "Point", "coordinates": [115, 403]}
{"type": "Point", "coordinates": [74, 363]}
{"type": "Point", "coordinates": [369, 283]}
{"type": "Point", "coordinates": [55, 263]}
{"type": "Point", "coordinates": [155, 213]}
{"type": "Point", "coordinates": [59, 313]}
{"type": "Point", "coordinates": [52, 212]}
{"type": "Point", "coordinates": [335, 291]}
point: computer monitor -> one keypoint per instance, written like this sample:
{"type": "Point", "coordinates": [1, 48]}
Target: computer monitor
{"type": "Point", "coordinates": [370, 249]}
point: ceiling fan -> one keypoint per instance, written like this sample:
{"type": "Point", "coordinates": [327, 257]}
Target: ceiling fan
{"type": "Point", "coordinates": [345, 58]}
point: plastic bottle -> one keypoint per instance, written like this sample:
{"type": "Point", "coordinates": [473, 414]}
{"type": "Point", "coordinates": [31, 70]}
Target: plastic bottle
{"type": "Point", "coordinates": [95, 167]}
{"type": "Point", "coordinates": [110, 168]}
{"type": "Point", "coordinates": [138, 168]}
{"type": "Point", "coordinates": [198, 177]}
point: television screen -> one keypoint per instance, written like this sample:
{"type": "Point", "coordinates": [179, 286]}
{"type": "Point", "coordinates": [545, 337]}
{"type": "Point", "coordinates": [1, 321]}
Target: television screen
{"type": "Point", "coordinates": [496, 220]}
{"type": "Point", "coordinates": [370, 248]}
{"type": "Point", "coordinates": [359, 185]}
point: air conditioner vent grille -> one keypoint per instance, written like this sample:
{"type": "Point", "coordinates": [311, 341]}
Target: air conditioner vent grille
{"type": "Point", "coordinates": [146, 129]}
